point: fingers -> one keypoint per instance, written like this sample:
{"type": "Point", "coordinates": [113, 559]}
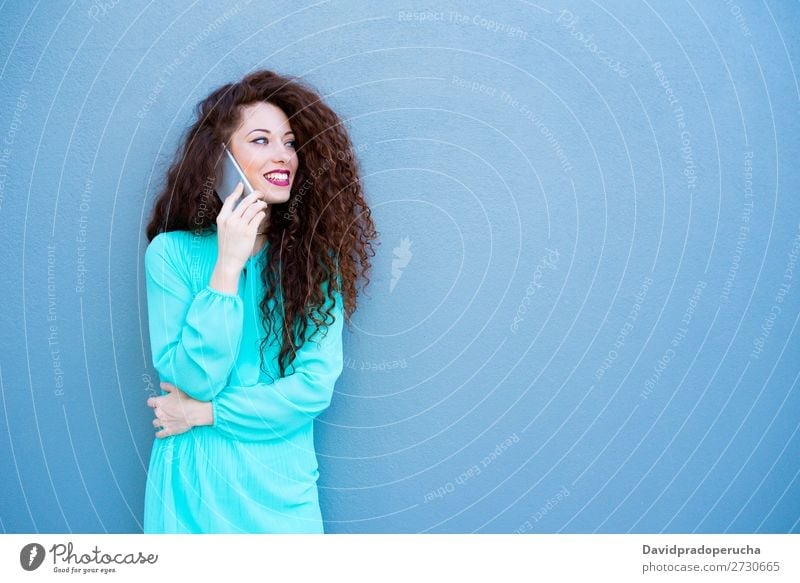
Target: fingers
{"type": "Point", "coordinates": [170, 429]}
{"type": "Point", "coordinates": [164, 422]}
{"type": "Point", "coordinates": [255, 209]}
{"type": "Point", "coordinates": [230, 201]}
{"type": "Point", "coordinates": [153, 401]}
{"type": "Point", "coordinates": [237, 192]}
{"type": "Point", "coordinates": [248, 204]}
{"type": "Point", "coordinates": [257, 218]}
{"type": "Point", "coordinates": [157, 423]}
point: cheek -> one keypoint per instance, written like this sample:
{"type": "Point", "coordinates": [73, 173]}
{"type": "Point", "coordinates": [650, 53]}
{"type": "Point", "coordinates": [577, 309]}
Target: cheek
{"type": "Point", "coordinates": [245, 162]}
{"type": "Point", "coordinates": [257, 161]}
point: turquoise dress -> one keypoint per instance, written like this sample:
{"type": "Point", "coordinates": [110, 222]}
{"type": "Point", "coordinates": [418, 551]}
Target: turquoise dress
{"type": "Point", "coordinates": [255, 469]}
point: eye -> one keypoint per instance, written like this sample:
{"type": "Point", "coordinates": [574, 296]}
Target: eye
{"type": "Point", "coordinates": [291, 143]}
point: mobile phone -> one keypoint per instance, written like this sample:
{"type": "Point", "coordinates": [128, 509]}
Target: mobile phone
{"type": "Point", "coordinates": [228, 175]}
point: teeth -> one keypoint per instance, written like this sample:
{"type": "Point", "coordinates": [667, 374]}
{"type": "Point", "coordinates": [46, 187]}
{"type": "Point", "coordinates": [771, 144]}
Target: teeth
{"type": "Point", "coordinates": [278, 176]}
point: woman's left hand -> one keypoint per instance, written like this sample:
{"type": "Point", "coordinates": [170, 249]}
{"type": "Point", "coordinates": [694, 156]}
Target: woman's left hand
{"type": "Point", "coordinates": [177, 412]}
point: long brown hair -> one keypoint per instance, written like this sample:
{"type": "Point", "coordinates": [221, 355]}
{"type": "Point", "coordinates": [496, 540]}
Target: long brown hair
{"type": "Point", "coordinates": [323, 233]}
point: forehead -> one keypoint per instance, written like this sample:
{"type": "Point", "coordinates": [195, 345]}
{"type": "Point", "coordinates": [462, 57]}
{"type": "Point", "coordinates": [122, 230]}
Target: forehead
{"type": "Point", "coordinates": [263, 115]}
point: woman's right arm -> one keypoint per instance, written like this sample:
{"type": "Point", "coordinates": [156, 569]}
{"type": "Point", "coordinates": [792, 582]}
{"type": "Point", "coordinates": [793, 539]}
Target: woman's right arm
{"type": "Point", "coordinates": [194, 339]}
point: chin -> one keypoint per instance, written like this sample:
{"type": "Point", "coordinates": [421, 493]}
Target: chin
{"type": "Point", "coordinates": [278, 197]}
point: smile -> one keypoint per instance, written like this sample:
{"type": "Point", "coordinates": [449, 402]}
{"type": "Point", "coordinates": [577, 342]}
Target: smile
{"type": "Point", "coordinates": [278, 178]}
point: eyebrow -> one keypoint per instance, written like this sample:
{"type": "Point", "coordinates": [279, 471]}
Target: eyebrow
{"type": "Point", "coordinates": [267, 131]}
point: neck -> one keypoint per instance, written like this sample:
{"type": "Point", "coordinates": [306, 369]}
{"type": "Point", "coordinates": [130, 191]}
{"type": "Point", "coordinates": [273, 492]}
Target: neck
{"type": "Point", "coordinates": [259, 244]}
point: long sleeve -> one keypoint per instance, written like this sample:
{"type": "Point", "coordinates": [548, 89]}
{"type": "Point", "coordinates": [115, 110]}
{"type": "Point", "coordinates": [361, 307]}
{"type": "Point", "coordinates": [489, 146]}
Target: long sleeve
{"type": "Point", "coordinates": [194, 339]}
{"type": "Point", "coordinates": [274, 410]}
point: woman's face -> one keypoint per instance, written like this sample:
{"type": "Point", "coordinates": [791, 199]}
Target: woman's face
{"type": "Point", "coordinates": [264, 147]}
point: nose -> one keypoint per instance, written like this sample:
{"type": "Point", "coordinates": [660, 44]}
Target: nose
{"type": "Point", "coordinates": [282, 154]}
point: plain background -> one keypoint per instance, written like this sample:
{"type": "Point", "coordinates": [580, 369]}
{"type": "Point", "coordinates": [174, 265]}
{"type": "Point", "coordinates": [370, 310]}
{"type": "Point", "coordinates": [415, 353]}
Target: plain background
{"type": "Point", "coordinates": [582, 315]}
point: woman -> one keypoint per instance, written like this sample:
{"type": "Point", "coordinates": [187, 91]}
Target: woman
{"type": "Point", "coordinates": [246, 301]}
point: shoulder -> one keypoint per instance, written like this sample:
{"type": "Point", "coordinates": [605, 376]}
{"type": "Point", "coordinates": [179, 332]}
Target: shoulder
{"type": "Point", "coordinates": [163, 245]}
{"type": "Point", "coordinates": [180, 241]}
{"type": "Point", "coordinates": [163, 241]}
{"type": "Point", "coordinates": [177, 247]}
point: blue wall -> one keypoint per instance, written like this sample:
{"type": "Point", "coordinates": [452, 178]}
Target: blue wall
{"type": "Point", "coordinates": [584, 306]}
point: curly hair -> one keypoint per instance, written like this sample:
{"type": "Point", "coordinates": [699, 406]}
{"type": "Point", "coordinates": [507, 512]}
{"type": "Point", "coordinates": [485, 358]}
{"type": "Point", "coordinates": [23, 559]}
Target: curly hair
{"type": "Point", "coordinates": [322, 233]}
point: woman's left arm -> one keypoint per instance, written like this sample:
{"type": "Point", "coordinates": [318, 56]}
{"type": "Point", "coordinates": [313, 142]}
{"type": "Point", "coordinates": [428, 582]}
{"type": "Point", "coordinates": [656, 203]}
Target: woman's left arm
{"type": "Point", "coordinates": [266, 411]}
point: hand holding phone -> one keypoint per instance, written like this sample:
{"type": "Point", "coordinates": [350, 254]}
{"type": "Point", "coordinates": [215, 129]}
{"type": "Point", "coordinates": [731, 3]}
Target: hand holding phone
{"type": "Point", "coordinates": [243, 209]}
{"type": "Point", "coordinates": [237, 227]}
